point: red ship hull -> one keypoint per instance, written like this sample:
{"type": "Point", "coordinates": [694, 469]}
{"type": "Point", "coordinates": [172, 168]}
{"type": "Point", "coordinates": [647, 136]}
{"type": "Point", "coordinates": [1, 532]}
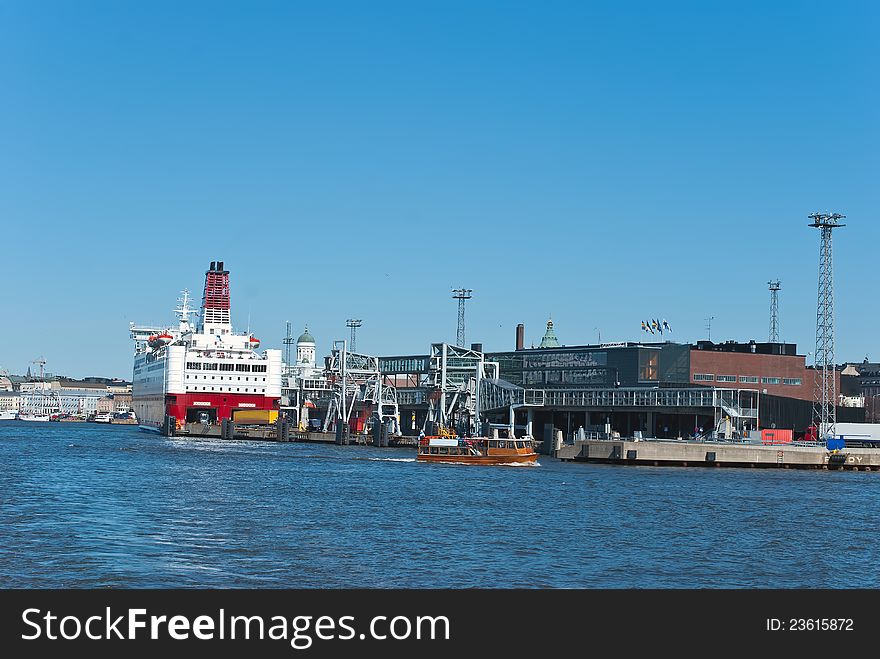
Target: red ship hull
{"type": "Point", "coordinates": [219, 406]}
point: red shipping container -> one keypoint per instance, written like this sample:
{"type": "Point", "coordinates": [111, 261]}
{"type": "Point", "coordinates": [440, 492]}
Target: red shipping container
{"type": "Point", "coordinates": [776, 436]}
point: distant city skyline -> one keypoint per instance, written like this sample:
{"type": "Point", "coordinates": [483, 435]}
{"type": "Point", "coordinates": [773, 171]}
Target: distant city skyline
{"type": "Point", "coordinates": [601, 163]}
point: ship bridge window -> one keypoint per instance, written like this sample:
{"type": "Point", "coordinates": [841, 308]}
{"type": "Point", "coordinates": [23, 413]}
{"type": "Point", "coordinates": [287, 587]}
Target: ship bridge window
{"type": "Point", "coordinates": [227, 367]}
{"type": "Point", "coordinates": [243, 367]}
{"type": "Point", "coordinates": [258, 368]}
{"type": "Point", "coordinates": [209, 366]}
{"type": "Point", "coordinates": [194, 366]}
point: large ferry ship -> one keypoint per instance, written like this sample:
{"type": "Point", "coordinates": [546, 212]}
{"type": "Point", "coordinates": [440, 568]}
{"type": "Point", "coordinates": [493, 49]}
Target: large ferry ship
{"type": "Point", "coordinates": [201, 374]}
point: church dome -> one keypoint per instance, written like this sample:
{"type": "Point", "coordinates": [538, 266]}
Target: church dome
{"type": "Point", "coordinates": [305, 337]}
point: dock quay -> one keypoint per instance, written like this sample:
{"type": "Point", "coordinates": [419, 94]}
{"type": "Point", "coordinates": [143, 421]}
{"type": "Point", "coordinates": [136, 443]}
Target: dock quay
{"type": "Point", "coordinates": [280, 432]}
{"type": "Point", "coordinates": [357, 440]}
{"type": "Point", "coordinates": [688, 453]}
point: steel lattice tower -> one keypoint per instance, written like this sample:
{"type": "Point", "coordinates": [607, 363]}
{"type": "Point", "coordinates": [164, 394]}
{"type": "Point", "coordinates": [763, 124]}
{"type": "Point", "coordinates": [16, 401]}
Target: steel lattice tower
{"type": "Point", "coordinates": [287, 341]}
{"type": "Point", "coordinates": [353, 323]}
{"type": "Point", "coordinates": [825, 397]}
{"type": "Point", "coordinates": [774, 310]}
{"type": "Point", "coordinates": [461, 294]}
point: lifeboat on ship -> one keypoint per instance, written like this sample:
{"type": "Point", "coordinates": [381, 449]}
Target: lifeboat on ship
{"type": "Point", "coordinates": [159, 340]}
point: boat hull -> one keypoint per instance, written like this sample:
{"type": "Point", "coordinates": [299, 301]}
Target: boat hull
{"type": "Point", "coordinates": [526, 458]}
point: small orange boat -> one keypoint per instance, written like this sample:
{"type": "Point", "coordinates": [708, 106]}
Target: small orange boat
{"type": "Point", "coordinates": [476, 450]}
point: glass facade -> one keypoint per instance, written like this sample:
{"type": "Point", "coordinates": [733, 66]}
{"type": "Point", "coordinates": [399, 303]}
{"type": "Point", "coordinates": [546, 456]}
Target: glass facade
{"type": "Point", "coordinates": [590, 366]}
{"type": "Point", "coordinates": [554, 368]}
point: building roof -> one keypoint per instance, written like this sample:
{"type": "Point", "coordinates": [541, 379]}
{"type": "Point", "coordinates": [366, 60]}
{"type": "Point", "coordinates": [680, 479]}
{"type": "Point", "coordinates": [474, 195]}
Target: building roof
{"type": "Point", "coordinates": [82, 384]}
{"type": "Point", "coordinates": [305, 337]}
{"type": "Point", "coordinates": [789, 349]}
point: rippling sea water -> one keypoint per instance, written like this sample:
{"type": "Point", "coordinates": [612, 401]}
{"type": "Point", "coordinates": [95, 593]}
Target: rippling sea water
{"type": "Point", "coordinates": [83, 505]}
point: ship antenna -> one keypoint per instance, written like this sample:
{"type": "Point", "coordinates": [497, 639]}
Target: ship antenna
{"type": "Point", "coordinates": [183, 311]}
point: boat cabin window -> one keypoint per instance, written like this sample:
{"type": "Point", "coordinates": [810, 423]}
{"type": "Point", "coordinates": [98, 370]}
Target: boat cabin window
{"type": "Point", "coordinates": [444, 450]}
{"type": "Point", "coordinates": [433, 450]}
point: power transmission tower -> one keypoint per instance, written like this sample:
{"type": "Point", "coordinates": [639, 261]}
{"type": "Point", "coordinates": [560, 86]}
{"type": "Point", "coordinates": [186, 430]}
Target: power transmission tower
{"type": "Point", "coordinates": [774, 310]}
{"type": "Point", "coordinates": [825, 398]}
{"type": "Point", "coordinates": [353, 323]}
{"type": "Point", "coordinates": [461, 294]}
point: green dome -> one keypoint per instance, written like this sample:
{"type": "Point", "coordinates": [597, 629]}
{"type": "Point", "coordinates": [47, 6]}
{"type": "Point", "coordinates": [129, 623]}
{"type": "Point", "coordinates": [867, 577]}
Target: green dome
{"type": "Point", "coordinates": [305, 337]}
{"type": "Point", "coordinates": [549, 340]}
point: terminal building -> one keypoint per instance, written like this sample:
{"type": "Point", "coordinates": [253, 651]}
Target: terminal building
{"type": "Point", "coordinates": [656, 389]}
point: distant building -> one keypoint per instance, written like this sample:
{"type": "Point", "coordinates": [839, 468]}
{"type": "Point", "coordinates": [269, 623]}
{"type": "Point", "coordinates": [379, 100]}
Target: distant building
{"type": "Point", "coordinates": [869, 387]}
{"type": "Point", "coordinates": [305, 354]}
{"type": "Point", "coordinates": [10, 400]}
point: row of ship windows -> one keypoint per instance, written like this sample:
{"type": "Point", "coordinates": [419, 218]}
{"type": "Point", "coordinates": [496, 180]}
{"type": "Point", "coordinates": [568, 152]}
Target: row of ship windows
{"type": "Point", "coordinates": [751, 379]}
{"type": "Point", "coordinates": [246, 390]}
{"type": "Point", "coordinates": [214, 366]}
{"type": "Point", "coordinates": [205, 377]}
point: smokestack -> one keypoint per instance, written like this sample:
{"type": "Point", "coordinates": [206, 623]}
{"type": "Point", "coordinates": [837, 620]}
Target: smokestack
{"type": "Point", "coordinates": [520, 336]}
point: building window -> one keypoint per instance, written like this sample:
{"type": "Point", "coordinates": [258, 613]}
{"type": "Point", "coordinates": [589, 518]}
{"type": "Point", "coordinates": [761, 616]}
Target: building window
{"type": "Point", "coordinates": [194, 366]}
{"type": "Point", "coordinates": [769, 380]}
{"type": "Point", "coordinates": [726, 378]}
{"type": "Point", "coordinates": [704, 377]}
{"type": "Point", "coordinates": [794, 381]}
{"type": "Point", "coordinates": [748, 378]}
{"type": "Point", "coordinates": [648, 360]}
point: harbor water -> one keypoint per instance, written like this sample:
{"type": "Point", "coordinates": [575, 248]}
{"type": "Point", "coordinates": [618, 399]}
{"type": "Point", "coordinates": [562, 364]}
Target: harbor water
{"type": "Point", "coordinates": [83, 505]}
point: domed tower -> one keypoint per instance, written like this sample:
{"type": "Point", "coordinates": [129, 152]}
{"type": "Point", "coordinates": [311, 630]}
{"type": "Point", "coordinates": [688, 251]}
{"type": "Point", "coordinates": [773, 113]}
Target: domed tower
{"type": "Point", "coordinates": [305, 350]}
{"type": "Point", "coordinates": [549, 340]}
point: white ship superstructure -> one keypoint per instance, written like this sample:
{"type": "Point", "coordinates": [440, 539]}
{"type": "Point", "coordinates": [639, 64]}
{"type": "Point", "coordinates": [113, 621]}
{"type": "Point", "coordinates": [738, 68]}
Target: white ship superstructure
{"type": "Point", "coordinates": [201, 373]}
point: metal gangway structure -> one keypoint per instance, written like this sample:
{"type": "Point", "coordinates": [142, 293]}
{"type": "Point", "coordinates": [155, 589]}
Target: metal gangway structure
{"type": "Point", "coordinates": [446, 381]}
{"type": "Point", "coordinates": [355, 381]}
{"type": "Point", "coordinates": [451, 386]}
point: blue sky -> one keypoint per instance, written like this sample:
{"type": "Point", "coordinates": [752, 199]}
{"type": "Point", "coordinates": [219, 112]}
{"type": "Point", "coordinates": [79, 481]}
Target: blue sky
{"type": "Point", "coordinates": [601, 162]}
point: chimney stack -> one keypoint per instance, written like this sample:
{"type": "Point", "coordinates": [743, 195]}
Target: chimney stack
{"type": "Point", "coordinates": [520, 336]}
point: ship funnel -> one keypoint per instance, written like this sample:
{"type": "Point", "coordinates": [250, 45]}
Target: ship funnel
{"type": "Point", "coordinates": [215, 301]}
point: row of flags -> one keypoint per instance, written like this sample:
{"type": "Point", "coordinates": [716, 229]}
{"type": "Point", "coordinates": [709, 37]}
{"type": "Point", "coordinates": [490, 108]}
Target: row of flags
{"type": "Point", "coordinates": [655, 326]}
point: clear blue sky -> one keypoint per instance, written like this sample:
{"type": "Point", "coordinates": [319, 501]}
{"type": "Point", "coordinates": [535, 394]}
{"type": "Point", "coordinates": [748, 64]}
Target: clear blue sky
{"type": "Point", "coordinates": [602, 162]}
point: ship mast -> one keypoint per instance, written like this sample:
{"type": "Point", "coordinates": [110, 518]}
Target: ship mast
{"type": "Point", "coordinates": [183, 312]}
